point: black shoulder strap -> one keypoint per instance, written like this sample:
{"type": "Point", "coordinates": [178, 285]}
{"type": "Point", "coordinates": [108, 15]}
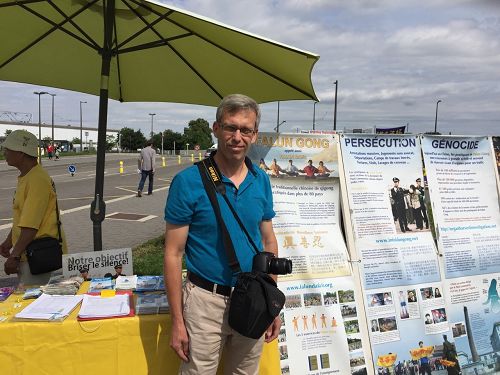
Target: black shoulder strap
{"type": "Point", "coordinates": [57, 214]}
{"type": "Point", "coordinates": [228, 244]}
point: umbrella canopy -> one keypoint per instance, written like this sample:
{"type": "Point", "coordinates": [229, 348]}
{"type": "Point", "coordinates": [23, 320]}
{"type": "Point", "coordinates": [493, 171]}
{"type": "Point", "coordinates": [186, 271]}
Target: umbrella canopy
{"type": "Point", "coordinates": [136, 50]}
{"type": "Point", "coordinates": [158, 53]}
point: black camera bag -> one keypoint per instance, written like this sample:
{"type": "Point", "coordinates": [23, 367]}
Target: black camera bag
{"type": "Point", "coordinates": [255, 302]}
{"type": "Point", "coordinates": [44, 255]}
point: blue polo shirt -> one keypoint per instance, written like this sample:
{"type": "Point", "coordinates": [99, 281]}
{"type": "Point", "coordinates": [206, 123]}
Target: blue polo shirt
{"type": "Point", "coordinates": [188, 204]}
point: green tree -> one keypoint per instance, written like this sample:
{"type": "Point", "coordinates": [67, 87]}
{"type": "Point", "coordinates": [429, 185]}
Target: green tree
{"type": "Point", "coordinates": [110, 142]}
{"type": "Point", "coordinates": [7, 132]}
{"type": "Point", "coordinates": [198, 133]}
{"type": "Point", "coordinates": [131, 139]}
{"type": "Point", "coordinates": [76, 141]}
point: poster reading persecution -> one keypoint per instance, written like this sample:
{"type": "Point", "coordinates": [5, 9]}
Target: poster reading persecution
{"type": "Point", "coordinates": [388, 207]}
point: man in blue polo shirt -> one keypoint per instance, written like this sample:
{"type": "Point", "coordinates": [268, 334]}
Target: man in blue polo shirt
{"type": "Point", "coordinates": [199, 310]}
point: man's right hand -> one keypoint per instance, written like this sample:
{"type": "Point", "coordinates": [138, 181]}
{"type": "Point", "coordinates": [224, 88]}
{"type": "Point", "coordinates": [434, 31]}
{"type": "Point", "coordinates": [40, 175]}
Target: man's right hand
{"type": "Point", "coordinates": [180, 341]}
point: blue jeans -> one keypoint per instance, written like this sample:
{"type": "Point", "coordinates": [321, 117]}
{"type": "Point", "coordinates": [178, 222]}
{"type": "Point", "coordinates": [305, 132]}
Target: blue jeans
{"type": "Point", "coordinates": [145, 174]}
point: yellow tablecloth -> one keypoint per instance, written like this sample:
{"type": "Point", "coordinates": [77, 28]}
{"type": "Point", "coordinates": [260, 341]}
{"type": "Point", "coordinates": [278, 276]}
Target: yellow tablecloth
{"type": "Point", "coordinates": [136, 345]}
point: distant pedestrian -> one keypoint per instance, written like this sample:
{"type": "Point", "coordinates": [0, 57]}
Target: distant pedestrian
{"type": "Point", "coordinates": [56, 151]}
{"type": "Point", "coordinates": [50, 150]}
{"type": "Point", "coordinates": [146, 166]}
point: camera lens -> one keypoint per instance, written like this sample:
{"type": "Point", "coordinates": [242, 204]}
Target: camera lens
{"type": "Point", "coordinates": [280, 266]}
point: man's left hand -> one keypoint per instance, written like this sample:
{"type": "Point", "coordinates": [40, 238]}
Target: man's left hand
{"type": "Point", "coordinates": [273, 330]}
{"type": "Point", "coordinates": [11, 265]}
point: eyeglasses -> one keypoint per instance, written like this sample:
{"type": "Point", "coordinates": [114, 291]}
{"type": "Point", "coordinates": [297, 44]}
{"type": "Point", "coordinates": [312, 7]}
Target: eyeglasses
{"type": "Point", "coordinates": [232, 129]}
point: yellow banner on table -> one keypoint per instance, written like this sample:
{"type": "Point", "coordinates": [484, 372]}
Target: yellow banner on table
{"type": "Point", "coordinates": [418, 353]}
{"type": "Point", "coordinates": [386, 360]}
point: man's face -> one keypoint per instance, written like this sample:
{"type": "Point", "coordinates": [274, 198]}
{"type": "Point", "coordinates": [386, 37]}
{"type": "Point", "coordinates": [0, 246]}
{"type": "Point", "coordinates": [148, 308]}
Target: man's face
{"type": "Point", "coordinates": [396, 183]}
{"type": "Point", "coordinates": [13, 158]}
{"type": "Point", "coordinates": [235, 134]}
{"type": "Point", "coordinates": [118, 270]}
{"type": "Point", "coordinates": [418, 183]}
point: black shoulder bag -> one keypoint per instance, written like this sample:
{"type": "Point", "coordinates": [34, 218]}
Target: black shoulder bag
{"type": "Point", "coordinates": [45, 254]}
{"type": "Point", "coordinates": [256, 300]}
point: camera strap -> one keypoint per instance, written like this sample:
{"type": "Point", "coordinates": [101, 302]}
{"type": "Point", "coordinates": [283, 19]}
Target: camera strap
{"type": "Point", "coordinates": [212, 181]}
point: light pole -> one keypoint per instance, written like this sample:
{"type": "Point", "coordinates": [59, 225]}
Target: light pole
{"type": "Point", "coordinates": [436, 120]}
{"type": "Point", "coordinates": [152, 115]}
{"type": "Point", "coordinates": [336, 83]}
{"type": "Point", "coordinates": [40, 93]}
{"type": "Point", "coordinates": [277, 128]}
{"type": "Point", "coordinates": [278, 117]}
{"type": "Point", "coordinates": [314, 115]}
{"type": "Point", "coordinates": [52, 115]}
{"type": "Point", "coordinates": [81, 126]}
{"type": "Point", "coordinates": [161, 143]}
{"type": "Point", "coordinates": [187, 149]}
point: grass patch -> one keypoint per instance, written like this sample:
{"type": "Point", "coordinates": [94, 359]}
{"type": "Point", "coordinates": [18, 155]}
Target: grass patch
{"type": "Point", "coordinates": [148, 257]}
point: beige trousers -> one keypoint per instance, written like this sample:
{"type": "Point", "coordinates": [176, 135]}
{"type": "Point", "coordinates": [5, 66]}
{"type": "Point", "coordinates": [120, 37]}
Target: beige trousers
{"type": "Point", "coordinates": [205, 315]}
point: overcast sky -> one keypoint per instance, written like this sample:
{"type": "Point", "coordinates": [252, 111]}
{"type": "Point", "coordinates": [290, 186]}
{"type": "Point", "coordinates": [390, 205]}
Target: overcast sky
{"type": "Point", "coordinates": [393, 60]}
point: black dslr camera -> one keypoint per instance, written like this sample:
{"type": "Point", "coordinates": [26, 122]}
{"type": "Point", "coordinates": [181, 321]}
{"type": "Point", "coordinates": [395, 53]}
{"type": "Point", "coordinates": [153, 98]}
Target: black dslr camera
{"type": "Point", "coordinates": [266, 262]}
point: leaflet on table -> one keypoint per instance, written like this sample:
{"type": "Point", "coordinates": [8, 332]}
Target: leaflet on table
{"type": "Point", "coordinates": [98, 264]}
{"type": "Point", "coordinates": [5, 292]}
{"type": "Point", "coordinates": [462, 185]}
{"type": "Point", "coordinates": [303, 169]}
{"type": "Point", "coordinates": [474, 317]}
{"type": "Point", "coordinates": [126, 282]}
{"type": "Point", "coordinates": [98, 284]}
{"type": "Point", "coordinates": [320, 328]}
{"type": "Point", "coordinates": [95, 306]}
{"type": "Point", "coordinates": [50, 307]}
{"type": "Point", "coordinates": [388, 210]}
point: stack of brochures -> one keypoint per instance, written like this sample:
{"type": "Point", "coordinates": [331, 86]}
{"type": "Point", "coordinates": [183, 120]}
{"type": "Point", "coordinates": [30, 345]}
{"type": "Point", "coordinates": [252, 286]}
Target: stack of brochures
{"type": "Point", "coordinates": [6, 292]}
{"type": "Point", "coordinates": [50, 307]}
{"type": "Point", "coordinates": [31, 293]}
{"type": "Point", "coordinates": [126, 282]}
{"type": "Point", "coordinates": [149, 283]}
{"type": "Point", "coordinates": [59, 285]}
{"type": "Point", "coordinates": [152, 304]}
{"type": "Point", "coordinates": [97, 307]}
{"type": "Point", "coordinates": [98, 284]}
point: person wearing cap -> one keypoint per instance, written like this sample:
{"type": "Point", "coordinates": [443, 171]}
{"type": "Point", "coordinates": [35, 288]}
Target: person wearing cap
{"type": "Point", "coordinates": [398, 195]}
{"type": "Point", "coordinates": [423, 207]}
{"type": "Point", "coordinates": [84, 273]}
{"type": "Point", "coordinates": [118, 271]}
{"type": "Point", "coordinates": [34, 206]}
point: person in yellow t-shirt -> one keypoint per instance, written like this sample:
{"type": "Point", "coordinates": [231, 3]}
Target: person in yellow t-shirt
{"type": "Point", "coordinates": [34, 206]}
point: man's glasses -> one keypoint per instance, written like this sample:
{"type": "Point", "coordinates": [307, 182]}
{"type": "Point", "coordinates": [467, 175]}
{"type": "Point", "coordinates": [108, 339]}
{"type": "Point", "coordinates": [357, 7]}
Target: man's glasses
{"type": "Point", "coordinates": [232, 129]}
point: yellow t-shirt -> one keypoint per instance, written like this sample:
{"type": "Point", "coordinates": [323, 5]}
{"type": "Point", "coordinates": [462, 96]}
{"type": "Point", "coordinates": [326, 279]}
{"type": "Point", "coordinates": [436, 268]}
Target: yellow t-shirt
{"type": "Point", "coordinates": [34, 206]}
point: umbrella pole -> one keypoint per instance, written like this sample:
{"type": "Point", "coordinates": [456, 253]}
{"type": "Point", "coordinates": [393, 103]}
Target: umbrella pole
{"type": "Point", "coordinates": [98, 207]}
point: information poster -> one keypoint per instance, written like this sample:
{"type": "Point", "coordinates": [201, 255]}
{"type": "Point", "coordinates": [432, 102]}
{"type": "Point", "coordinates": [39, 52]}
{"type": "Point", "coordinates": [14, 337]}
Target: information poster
{"type": "Point", "coordinates": [465, 203]}
{"type": "Point", "coordinates": [390, 224]}
{"type": "Point", "coordinates": [93, 264]}
{"type": "Point", "coordinates": [303, 170]}
{"type": "Point", "coordinates": [496, 148]}
{"type": "Point", "coordinates": [474, 317]}
{"type": "Point", "coordinates": [320, 331]}
{"type": "Point", "coordinates": [388, 210]}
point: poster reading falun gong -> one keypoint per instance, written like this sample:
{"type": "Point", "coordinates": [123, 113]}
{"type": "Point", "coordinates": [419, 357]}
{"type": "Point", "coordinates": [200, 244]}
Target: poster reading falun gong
{"type": "Point", "coordinates": [303, 169]}
{"type": "Point", "coordinates": [388, 210]}
{"type": "Point", "coordinates": [462, 185]}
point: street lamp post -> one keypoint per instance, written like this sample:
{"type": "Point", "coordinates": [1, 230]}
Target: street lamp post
{"type": "Point", "coordinates": [52, 115]}
{"type": "Point", "coordinates": [187, 149]}
{"type": "Point", "coordinates": [278, 117]}
{"type": "Point", "coordinates": [161, 143]}
{"type": "Point", "coordinates": [152, 115]}
{"type": "Point", "coordinates": [436, 119]}
{"type": "Point", "coordinates": [336, 83]}
{"type": "Point", "coordinates": [314, 115]}
{"type": "Point", "coordinates": [81, 126]}
{"type": "Point", "coordinates": [40, 93]}
{"type": "Point", "coordinates": [277, 128]}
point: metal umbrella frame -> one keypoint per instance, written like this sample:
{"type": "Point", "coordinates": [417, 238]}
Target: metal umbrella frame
{"type": "Point", "coordinates": [145, 52]}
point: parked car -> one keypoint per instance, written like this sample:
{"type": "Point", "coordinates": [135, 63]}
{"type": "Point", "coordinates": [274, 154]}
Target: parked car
{"type": "Point", "coordinates": [209, 151]}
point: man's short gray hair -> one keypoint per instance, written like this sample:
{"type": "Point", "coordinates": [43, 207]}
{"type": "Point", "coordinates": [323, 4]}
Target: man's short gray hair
{"type": "Point", "coordinates": [237, 102]}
